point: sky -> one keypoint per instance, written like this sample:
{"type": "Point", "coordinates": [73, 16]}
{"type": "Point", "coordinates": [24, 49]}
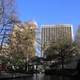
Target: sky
{"type": "Point", "coordinates": [50, 11]}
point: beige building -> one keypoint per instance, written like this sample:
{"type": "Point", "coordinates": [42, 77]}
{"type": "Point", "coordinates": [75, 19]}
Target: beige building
{"type": "Point", "coordinates": [28, 28]}
{"type": "Point", "coordinates": [32, 25]}
{"type": "Point", "coordinates": [56, 33]}
{"type": "Point", "coordinates": [77, 37]}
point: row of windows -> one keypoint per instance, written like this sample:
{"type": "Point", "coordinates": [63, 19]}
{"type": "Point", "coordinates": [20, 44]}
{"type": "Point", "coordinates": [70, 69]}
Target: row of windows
{"type": "Point", "coordinates": [49, 34]}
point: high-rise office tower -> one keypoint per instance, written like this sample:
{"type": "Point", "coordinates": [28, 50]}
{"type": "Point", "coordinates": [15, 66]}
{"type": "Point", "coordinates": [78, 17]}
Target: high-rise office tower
{"type": "Point", "coordinates": [77, 37]}
{"type": "Point", "coordinates": [56, 33]}
{"type": "Point", "coordinates": [26, 30]}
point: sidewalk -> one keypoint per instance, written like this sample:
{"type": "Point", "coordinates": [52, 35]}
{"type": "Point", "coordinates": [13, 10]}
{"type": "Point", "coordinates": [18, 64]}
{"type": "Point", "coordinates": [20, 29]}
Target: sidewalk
{"type": "Point", "coordinates": [4, 75]}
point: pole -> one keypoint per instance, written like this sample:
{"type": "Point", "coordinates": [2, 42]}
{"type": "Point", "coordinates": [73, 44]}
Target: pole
{"type": "Point", "coordinates": [62, 62]}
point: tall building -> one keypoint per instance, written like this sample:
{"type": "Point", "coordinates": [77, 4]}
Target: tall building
{"type": "Point", "coordinates": [28, 29]}
{"type": "Point", "coordinates": [77, 37]}
{"type": "Point", "coordinates": [56, 33]}
{"type": "Point", "coordinates": [32, 25]}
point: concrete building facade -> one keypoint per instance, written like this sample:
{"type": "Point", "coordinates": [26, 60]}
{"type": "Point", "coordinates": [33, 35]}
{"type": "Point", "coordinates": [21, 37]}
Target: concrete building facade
{"type": "Point", "coordinates": [28, 29]}
{"type": "Point", "coordinates": [56, 33]}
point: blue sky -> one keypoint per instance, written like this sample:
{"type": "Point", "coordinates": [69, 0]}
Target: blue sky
{"type": "Point", "coordinates": [50, 11]}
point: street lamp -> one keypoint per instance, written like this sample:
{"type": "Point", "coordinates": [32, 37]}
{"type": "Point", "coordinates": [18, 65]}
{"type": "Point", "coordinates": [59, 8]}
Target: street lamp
{"type": "Point", "coordinates": [27, 62]}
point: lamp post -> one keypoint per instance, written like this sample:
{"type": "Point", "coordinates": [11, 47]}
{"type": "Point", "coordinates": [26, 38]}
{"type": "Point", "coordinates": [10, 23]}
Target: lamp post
{"type": "Point", "coordinates": [27, 62]}
{"type": "Point", "coordinates": [62, 63]}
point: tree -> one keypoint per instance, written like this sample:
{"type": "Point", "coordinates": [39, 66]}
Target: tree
{"type": "Point", "coordinates": [62, 53]}
{"type": "Point", "coordinates": [21, 46]}
{"type": "Point", "coordinates": [7, 19]}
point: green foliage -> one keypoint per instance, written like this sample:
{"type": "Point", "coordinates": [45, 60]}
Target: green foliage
{"type": "Point", "coordinates": [21, 46]}
{"type": "Point", "coordinates": [61, 52]}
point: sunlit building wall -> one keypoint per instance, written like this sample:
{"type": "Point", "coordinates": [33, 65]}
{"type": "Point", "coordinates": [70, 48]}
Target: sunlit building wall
{"type": "Point", "coordinates": [55, 33]}
{"type": "Point", "coordinates": [29, 25]}
{"type": "Point", "coordinates": [77, 37]}
{"type": "Point", "coordinates": [32, 25]}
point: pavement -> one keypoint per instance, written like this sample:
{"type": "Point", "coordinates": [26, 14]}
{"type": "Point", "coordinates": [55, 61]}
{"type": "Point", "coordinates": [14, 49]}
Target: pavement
{"type": "Point", "coordinates": [4, 75]}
